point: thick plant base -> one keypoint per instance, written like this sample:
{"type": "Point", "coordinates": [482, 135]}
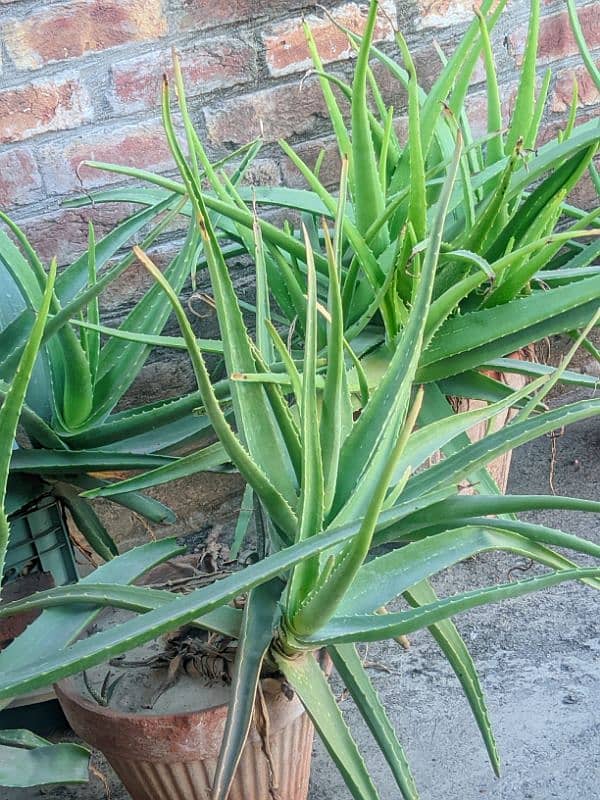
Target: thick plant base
{"type": "Point", "coordinates": [174, 756]}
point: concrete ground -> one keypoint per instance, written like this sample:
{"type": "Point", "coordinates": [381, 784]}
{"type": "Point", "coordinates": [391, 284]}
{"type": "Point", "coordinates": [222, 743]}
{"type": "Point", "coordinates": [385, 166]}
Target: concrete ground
{"type": "Point", "coordinates": [539, 659]}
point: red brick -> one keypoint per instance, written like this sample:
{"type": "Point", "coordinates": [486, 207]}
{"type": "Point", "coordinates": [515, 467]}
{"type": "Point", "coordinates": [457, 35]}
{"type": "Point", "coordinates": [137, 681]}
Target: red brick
{"type": "Point", "coordinates": [444, 13]}
{"type": "Point", "coordinates": [207, 13]}
{"type": "Point", "coordinates": [479, 73]}
{"type": "Point", "coordinates": [285, 43]}
{"type": "Point", "coordinates": [584, 195]}
{"type": "Point", "coordinates": [63, 234]}
{"type": "Point", "coordinates": [20, 181]}
{"type": "Point", "coordinates": [68, 30]}
{"type": "Point", "coordinates": [556, 37]}
{"type": "Point", "coordinates": [556, 126]}
{"type": "Point", "coordinates": [143, 146]}
{"type": "Point", "coordinates": [329, 174]}
{"type": "Point", "coordinates": [131, 285]}
{"type": "Point", "coordinates": [401, 128]}
{"type": "Point", "coordinates": [280, 112]}
{"type": "Point", "coordinates": [588, 94]}
{"type": "Point", "coordinates": [216, 64]}
{"type": "Point", "coordinates": [262, 172]}
{"type": "Point", "coordinates": [19, 589]}
{"type": "Point", "coordinates": [476, 105]}
{"type": "Point", "coordinates": [42, 106]}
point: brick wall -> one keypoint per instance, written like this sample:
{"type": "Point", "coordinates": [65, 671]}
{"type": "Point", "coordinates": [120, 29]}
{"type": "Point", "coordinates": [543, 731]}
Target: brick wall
{"type": "Point", "coordinates": [80, 79]}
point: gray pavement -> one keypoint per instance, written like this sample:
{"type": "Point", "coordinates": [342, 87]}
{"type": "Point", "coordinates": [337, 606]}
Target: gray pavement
{"type": "Point", "coordinates": [538, 657]}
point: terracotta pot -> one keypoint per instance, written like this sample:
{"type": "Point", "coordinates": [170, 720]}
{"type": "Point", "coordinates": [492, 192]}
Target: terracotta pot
{"type": "Point", "coordinates": [499, 468]}
{"type": "Point", "coordinates": [174, 756]}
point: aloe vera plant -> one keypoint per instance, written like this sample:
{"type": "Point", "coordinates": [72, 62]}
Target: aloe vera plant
{"type": "Point", "coordinates": [25, 757]}
{"type": "Point", "coordinates": [77, 437]}
{"type": "Point", "coordinates": [517, 262]}
{"type": "Point", "coordinates": [333, 486]}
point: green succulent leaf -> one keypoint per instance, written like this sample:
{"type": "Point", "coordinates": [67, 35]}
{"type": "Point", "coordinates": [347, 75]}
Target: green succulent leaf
{"type": "Point", "coordinates": [525, 102]}
{"type": "Point", "coordinates": [43, 764]}
{"type": "Point", "coordinates": [13, 402]}
{"type": "Point", "coordinates": [368, 200]}
{"type": "Point", "coordinates": [356, 680]}
{"type": "Point", "coordinates": [458, 466]}
{"type": "Point", "coordinates": [57, 627]}
{"type": "Point", "coordinates": [336, 409]}
{"type": "Point", "coordinates": [88, 522]}
{"type": "Point", "coordinates": [69, 462]}
{"type": "Point", "coordinates": [306, 677]}
{"type": "Point", "coordinates": [148, 507]}
{"type": "Point", "coordinates": [460, 509]}
{"type": "Point", "coordinates": [258, 427]}
{"type": "Point", "coordinates": [121, 361]}
{"type": "Point", "coordinates": [257, 630]}
{"type": "Point", "coordinates": [102, 646]}
{"type": "Point", "coordinates": [454, 648]}
{"type": "Point", "coordinates": [582, 44]}
{"type": "Point", "coordinates": [434, 436]}
{"type": "Point", "coordinates": [467, 341]}
{"type": "Point", "coordinates": [370, 628]}
{"type": "Point", "coordinates": [278, 507]}
{"type": "Point", "coordinates": [372, 436]}
{"type": "Point", "coordinates": [312, 486]}
{"type": "Point", "coordinates": [206, 458]}
{"type": "Point", "coordinates": [383, 579]}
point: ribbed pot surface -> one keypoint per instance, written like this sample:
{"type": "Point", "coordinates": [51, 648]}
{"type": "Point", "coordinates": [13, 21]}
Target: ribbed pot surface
{"type": "Point", "coordinates": [173, 757]}
{"type": "Point", "coordinates": [191, 780]}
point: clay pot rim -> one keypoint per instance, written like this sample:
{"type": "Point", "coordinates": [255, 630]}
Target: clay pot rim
{"type": "Point", "coordinates": [182, 736]}
{"type": "Point", "coordinates": [65, 687]}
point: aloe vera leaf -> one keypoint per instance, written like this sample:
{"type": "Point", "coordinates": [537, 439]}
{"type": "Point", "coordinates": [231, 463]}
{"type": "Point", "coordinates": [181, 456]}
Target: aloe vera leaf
{"type": "Point", "coordinates": [13, 401]}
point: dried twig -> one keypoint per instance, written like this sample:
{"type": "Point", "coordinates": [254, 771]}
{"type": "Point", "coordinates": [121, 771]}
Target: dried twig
{"type": "Point", "coordinates": [97, 773]}
{"type": "Point", "coordinates": [263, 728]}
{"type": "Point", "coordinates": [553, 437]}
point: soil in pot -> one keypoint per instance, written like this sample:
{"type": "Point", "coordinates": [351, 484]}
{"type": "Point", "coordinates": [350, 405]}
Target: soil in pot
{"type": "Point", "coordinates": [172, 675]}
{"type": "Point", "coordinates": [159, 715]}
